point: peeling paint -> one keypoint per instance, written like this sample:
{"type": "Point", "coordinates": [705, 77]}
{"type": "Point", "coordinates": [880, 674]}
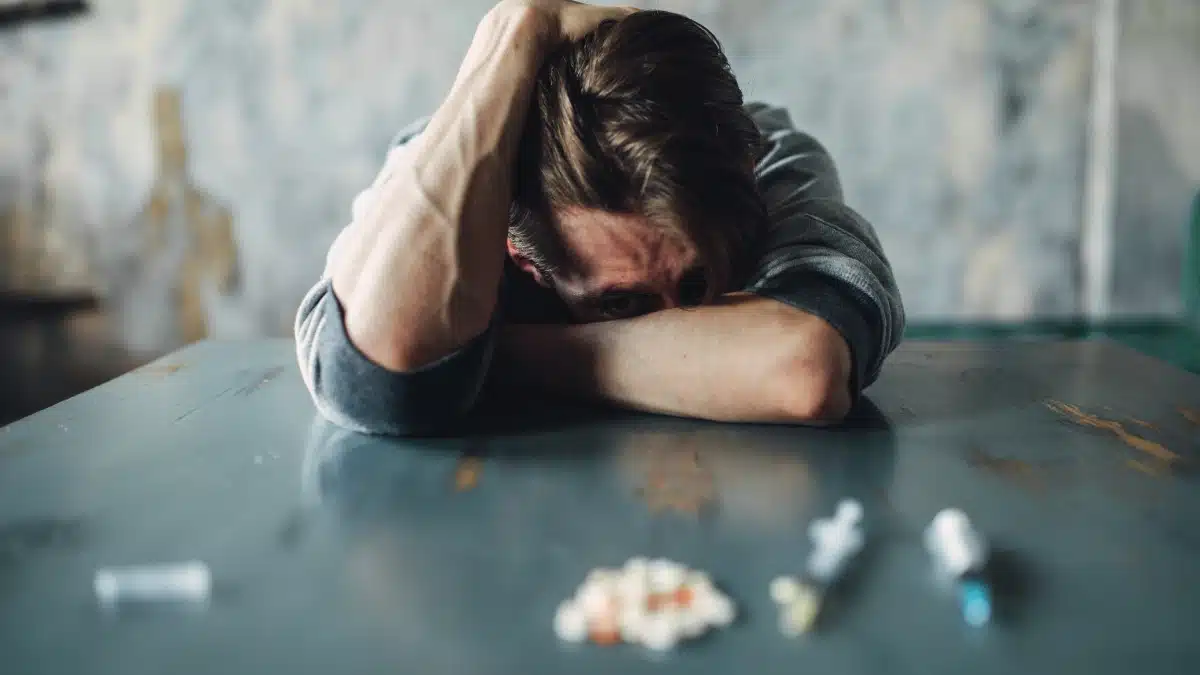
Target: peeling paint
{"type": "Point", "coordinates": [176, 207]}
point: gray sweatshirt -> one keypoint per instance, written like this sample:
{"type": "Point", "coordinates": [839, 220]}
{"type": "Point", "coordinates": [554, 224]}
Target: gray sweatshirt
{"type": "Point", "coordinates": [817, 255]}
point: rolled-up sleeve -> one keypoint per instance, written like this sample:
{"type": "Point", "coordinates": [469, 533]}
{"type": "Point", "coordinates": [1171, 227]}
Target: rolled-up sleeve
{"type": "Point", "coordinates": [354, 392]}
{"type": "Point", "coordinates": [818, 255]}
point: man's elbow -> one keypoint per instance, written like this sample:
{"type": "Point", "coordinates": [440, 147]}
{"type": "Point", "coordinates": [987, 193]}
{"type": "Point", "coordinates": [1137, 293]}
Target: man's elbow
{"type": "Point", "coordinates": [815, 399]}
{"type": "Point", "coordinates": [813, 387]}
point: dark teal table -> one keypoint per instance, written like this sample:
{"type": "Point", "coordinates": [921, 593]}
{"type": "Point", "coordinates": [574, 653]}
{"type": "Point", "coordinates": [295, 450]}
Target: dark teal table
{"type": "Point", "coordinates": [335, 553]}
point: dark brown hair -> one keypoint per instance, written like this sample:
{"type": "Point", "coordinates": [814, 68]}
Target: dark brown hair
{"type": "Point", "coordinates": [642, 116]}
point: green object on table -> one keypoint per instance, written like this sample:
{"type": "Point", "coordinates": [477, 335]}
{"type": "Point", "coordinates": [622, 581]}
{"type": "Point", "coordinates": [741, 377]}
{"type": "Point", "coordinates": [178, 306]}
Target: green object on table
{"type": "Point", "coordinates": [332, 552]}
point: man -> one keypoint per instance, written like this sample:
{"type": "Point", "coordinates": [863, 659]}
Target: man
{"type": "Point", "coordinates": [593, 212]}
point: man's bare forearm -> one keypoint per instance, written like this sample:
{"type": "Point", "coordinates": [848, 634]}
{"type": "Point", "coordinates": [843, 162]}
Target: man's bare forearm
{"type": "Point", "coordinates": [745, 359]}
{"type": "Point", "coordinates": [418, 270]}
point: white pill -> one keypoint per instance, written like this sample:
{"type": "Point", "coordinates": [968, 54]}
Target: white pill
{"type": "Point", "coordinates": [718, 610]}
{"type": "Point", "coordinates": [660, 632]}
{"type": "Point", "coordinates": [637, 564]}
{"type": "Point", "coordinates": [633, 584]}
{"type": "Point", "coordinates": [784, 590]}
{"type": "Point", "coordinates": [665, 576]}
{"type": "Point", "coordinates": [189, 582]}
{"type": "Point", "coordinates": [594, 599]}
{"type": "Point", "coordinates": [704, 598]}
{"type": "Point", "coordinates": [570, 624]}
{"type": "Point", "coordinates": [635, 576]}
{"type": "Point", "coordinates": [698, 581]}
{"type": "Point", "coordinates": [631, 622]}
{"type": "Point", "coordinates": [601, 576]}
{"type": "Point", "coordinates": [692, 623]}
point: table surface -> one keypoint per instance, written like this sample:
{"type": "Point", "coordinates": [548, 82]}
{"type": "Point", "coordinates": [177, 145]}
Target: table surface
{"type": "Point", "coordinates": [333, 552]}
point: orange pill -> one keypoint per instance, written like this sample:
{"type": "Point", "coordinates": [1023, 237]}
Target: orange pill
{"type": "Point", "coordinates": [605, 632]}
{"type": "Point", "coordinates": [606, 638]}
{"type": "Point", "coordinates": [657, 601]}
{"type": "Point", "coordinates": [683, 596]}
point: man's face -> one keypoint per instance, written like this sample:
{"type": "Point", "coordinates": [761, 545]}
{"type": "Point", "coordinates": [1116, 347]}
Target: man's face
{"type": "Point", "coordinates": [620, 266]}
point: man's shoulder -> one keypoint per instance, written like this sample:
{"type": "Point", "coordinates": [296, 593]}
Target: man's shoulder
{"type": "Point", "coordinates": [769, 118]}
{"type": "Point", "coordinates": [792, 165]}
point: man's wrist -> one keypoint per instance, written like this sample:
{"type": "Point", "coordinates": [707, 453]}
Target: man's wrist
{"type": "Point", "coordinates": [546, 356]}
{"type": "Point", "coordinates": [529, 27]}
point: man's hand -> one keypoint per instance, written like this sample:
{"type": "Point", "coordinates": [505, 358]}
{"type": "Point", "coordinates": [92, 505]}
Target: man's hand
{"type": "Point", "coordinates": [744, 359]}
{"type": "Point", "coordinates": [561, 21]}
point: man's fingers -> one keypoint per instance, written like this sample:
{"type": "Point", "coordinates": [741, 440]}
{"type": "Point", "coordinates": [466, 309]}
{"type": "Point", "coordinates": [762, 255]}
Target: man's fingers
{"type": "Point", "coordinates": [579, 19]}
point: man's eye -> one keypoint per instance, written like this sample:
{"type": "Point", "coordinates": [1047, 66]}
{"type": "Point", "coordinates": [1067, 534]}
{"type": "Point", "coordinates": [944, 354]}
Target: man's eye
{"type": "Point", "coordinates": [621, 306]}
{"type": "Point", "coordinates": [693, 288]}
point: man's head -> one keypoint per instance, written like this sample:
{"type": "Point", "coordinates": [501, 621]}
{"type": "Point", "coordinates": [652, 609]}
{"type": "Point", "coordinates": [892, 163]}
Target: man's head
{"type": "Point", "coordinates": [634, 185]}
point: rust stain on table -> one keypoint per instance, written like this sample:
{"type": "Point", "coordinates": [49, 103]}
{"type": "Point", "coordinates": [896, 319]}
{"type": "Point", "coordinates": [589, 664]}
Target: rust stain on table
{"type": "Point", "coordinates": [466, 475]}
{"type": "Point", "coordinates": [679, 483]}
{"type": "Point", "coordinates": [1078, 416]}
{"type": "Point", "coordinates": [1017, 471]}
{"type": "Point", "coordinates": [165, 369]}
{"type": "Point", "coordinates": [1155, 469]}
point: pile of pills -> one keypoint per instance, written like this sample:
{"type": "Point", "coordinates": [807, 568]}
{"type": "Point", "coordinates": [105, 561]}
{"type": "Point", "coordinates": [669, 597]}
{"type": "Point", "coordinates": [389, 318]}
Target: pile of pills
{"type": "Point", "coordinates": [653, 603]}
{"type": "Point", "coordinates": [661, 603]}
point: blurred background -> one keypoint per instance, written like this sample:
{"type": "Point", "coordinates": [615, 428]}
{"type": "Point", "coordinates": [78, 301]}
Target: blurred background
{"type": "Point", "coordinates": [173, 170]}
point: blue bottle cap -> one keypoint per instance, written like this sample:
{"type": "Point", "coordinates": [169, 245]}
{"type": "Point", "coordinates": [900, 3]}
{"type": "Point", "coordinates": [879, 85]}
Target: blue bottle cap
{"type": "Point", "coordinates": [976, 600]}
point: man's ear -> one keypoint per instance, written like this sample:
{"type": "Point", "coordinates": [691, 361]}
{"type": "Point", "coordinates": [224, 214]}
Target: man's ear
{"type": "Point", "coordinates": [526, 265]}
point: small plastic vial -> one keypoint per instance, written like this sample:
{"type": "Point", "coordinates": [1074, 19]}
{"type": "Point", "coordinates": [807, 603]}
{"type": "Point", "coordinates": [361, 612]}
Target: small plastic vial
{"type": "Point", "coordinates": [181, 582]}
{"type": "Point", "coordinates": [959, 551]}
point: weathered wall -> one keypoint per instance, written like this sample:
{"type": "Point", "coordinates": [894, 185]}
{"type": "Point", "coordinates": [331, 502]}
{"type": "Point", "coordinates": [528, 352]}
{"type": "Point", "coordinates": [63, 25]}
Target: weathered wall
{"type": "Point", "coordinates": [192, 159]}
{"type": "Point", "coordinates": [1158, 148]}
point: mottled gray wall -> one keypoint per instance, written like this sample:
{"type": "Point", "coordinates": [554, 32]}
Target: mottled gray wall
{"type": "Point", "coordinates": [1158, 140]}
{"type": "Point", "coordinates": [959, 126]}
